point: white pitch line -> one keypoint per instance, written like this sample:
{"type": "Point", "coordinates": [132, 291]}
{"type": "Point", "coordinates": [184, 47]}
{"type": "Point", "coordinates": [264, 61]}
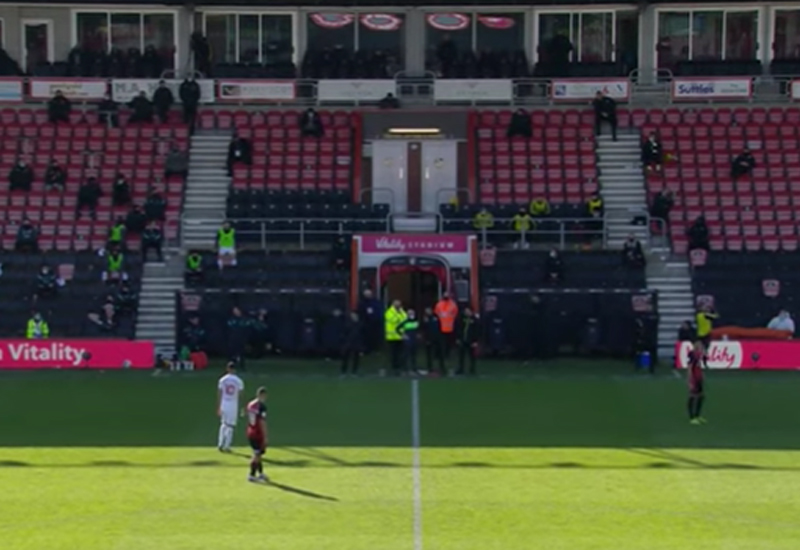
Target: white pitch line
{"type": "Point", "coordinates": [416, 466]}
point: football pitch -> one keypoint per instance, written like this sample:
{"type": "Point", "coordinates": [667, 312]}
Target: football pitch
{"type": "Point", "coordinates": [571, 459]}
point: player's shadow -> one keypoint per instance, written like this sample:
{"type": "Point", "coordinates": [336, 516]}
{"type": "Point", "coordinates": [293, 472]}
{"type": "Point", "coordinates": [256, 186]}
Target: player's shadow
{"type": "Point", "coordinates": [301, 492]}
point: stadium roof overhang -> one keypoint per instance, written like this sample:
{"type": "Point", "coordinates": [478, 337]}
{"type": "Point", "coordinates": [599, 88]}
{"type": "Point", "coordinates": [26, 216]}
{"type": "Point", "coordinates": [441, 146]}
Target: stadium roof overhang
{"type": "Point", "coordinates": [318, 4]}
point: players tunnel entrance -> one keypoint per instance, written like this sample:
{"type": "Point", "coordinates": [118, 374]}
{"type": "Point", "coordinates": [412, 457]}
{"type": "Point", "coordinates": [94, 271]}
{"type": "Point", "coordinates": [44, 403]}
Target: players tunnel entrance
{"type": "Point", "coordinates": [417, 281]}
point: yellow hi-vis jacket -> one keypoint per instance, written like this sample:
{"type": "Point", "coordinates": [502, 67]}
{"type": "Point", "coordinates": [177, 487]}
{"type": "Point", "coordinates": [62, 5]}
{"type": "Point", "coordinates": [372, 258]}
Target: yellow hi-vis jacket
{"type": "Point", "coordinates": [392, 319]}
{"type": "Point", "coordinates": [37, 330]}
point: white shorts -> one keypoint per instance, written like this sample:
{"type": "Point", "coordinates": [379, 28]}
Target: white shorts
{"type": "Point", "coordinates": [229, 416]}
{"type": "Point", "coordinates": [227, 251]}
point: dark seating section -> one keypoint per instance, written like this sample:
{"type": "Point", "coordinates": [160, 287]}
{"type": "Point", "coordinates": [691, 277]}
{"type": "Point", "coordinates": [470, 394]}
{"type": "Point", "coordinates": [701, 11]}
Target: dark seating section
{"type": "Point", "coordinates": [744, 67]}
{"type": "Point", "coordinates": [67, 313]}
{"type": "Point", "coordinates": [736, 282]}
{"type": "Point", "coordinates": [524, 269]}
{"type": "Point", "coordinates": [546, 323]}
{"type": "Point", "coordinates": [276, 271]}
{"type": "Point", "coordinates": [96, 62]}
{"type": "Point", "coordinates": [340, 63]}
{"type": "Point", "coordinates": [279, 215]}
{"type": "Point", "coordinates": [488, 64]}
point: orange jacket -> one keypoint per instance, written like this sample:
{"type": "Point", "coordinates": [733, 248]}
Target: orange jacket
{"type": "Point", "coordinates": [447, 312]}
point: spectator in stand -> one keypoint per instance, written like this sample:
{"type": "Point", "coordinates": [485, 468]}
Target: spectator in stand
{"type": "Point", "coordinates": [389, 102]}
{"type": "Point", "coordinates": [125, 300]}
{"type": "Point", "coordinates": [37, 329]}
{"type": "Point", "coordinates": [469, 334]}
{"type": "Point", "coordinates": [105, 320]}
{"type": "Point", "coordinates": [595, 209]}
{"type": "Point", "coordinates": [239, 151]}
{"type": "Point", "coordinates": [136, 220]}
{"type": "Point", "coordinates": [116, 234]}
{"type": "Point", "coordinates": [47, 283]}
{"type": "Point", "coordinates": [226, 245]}
{"type": "Point", "coordinates": [554, 267]}
{"type": "Point", "coordinates": [88, 196]}
{"type": "Point", "coordinates": [176, 163]}
{"type": "Point", "coordinates": [58, 108]}
{"type": "Point", "coordinates": [520, 125]}
{"type": "Point", "coordinates": [521, 223]}
{"type": "Point", "coordinates": [652, 153]}
{"type": "Point", "coordinates": [698, 234]}
{"type": "Point", "coordinates": [121, 192]}
{"type": "Point", "coordinates": [189, 93]}
{"type": "Point", "coordinates": [194, 267]}
{"type": "Point", "coordinates": [483, 220]}
{"type": "Point", "coordinates": [370, 311]}
{"type": "Point", "coordinates": [632, 253]}
{"type": "Point", "coordinates": [152, 238]}
{"type": "Point", "coordinates": [311, 124]}
{"type": "Point", "coordinates": [21, 177]}
{"type": "Point", "coordinates": [194, 336]}
{"type": "Point", "coordinates": [55, 177]}
{"type": "Point", "coordinates": [352, 345]}
{"type": "Point", "coordinates": [163, 101]}
{"type": "Point", "coordinates": [27, 237]}
{"type": "Point", "coordinates": [107, 112]}
{"type": "Point", "coordinates": [202, 53]}
{"type": "Point", "coordinates": [446, 55]}
{"type": "Point", "coordinates": [142, 109]}
{"type": "Point", "coordinates": [662, 204]}
{"type": "Point", "coordinates": [782, 321]}
{"type": "Point", "coordinates": [605, 110]}
{"type": "Point", "coordinates": [743, 164]}
{"type": "Point", "coordinates": [539, 208]}
{"type": "Point", "coordinates": [155, 207]}
{"type": "Point", "coordinates": [115, 266]}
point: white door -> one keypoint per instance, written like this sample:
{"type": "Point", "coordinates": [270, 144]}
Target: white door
{"type": "Point", "coordinates": [390, 173]}
{"type": "Point", "coordinates": [439, 173]}
{"type": "Point", "coordinates": [37, 42]}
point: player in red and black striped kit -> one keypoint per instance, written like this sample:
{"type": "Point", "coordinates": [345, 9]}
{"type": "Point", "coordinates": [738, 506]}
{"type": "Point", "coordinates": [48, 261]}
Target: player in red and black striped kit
{"type": "Point", "coordinates": [697, 360]}
{"type": "Point", "coordinates": [257, 433]}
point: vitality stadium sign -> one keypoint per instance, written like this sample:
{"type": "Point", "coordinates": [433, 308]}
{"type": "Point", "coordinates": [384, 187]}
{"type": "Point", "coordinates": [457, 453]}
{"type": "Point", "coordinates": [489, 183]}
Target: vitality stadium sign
{"type": "Point", "coordinates": [76, 354]}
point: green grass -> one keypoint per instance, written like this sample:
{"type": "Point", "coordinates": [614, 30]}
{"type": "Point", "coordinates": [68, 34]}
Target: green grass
{"type": "Point", "coordinates": [569, 456]}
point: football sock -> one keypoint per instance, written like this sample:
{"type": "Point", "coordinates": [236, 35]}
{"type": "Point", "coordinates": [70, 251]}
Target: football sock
{"type": "Point", "coordinates": [690, 407]}
{"type": "Point", "coordinates": [228, 437]}
{"type": "Point", "coordinates": [221, 438]}
{"type": "Point", "coordinates": [699, 405]}
{"type": "Point", "coordinates": [253, 467]}
{"type": "Point", "coordinates": [260, 467]}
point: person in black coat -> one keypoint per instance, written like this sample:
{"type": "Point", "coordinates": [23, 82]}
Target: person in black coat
{"type": "Point", "coordinates": [163, 100]}
{"type": "Point", "coordinates": [190, 96]}
{"type": "Point", "coordinates": [434, 341]}
{"type": "Point", "coordinates": [743, 164]}
{"type": "Point", "coordinates": [605, 110]}
{"type": "Point", "coordinates": [142, 109]}
{"type": "Point", "coordinates": [698, 234]}
{"type": "Point", "coordinates": [370, 311]}
{"type": "Point", "coordinates": [152, 237]}
{"type": "Point", "coordinates": [27, 237]}
{"type": "Point", "coordinates": [88, 196]}
{"type": "Point", "coordinates": [21, 177]}
{"type": "Point", "coordinates": [107, 112]}
{"type": "Point", "coordinates": [652, 153]}
{"type": "Point", "coordinates": [520, 125]}
{"type": "Point", "coordinates": [239, 150]}
{"type": "Point", "coordinates": [663, 203]}
{"type": "Point", "coordinates": [55, 177]}
{"type": "Point", "coordinates": [311, 124]}
{"type": "Point", "coordinates": [632, 253]}
{"type": "Point", "coordinates": [121, 191]}
{"type": "Point", "coordinates": [136, 220]}
{"type": "Point", "coordinates": [352, 345]}
{"type": "Point", "coordinates": [58, 108]}
{"type": "Point", "coordinates": [468, 332]}
{"type": "Point", "coordinates": [155, 207]}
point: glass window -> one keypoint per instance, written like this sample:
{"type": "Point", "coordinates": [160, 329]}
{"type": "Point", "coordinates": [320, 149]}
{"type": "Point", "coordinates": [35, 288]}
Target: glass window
{"type": "Point", "coordinates": [126, 31]}
{"type": "Point", "coordinates": [159, 32]}
{"type": "Point", "coordinates": [331, 30]}
{"type": "Point", "coordinates": [2, 33]}
{"type": "Point", "coordinates": [706, 35]}
{"type": "Point", "coordinates": [93, 31]}
{"type": "Point", "coordinates": [500, 31]}
{"type": "Point", "coordinates": [596, 44]}
{"type": "Point", "coordinates": [673, 39]}
{"type": "Point", "coordinates": [741, 28]}
{"type": "Point", "coordinates": [628, 40]}
{"type": "Point", "coordinates": [249, 42]}
{"type": "Point", "coordinates": [381, 31]}
{"type": "Point", "coordinates": [221, 34]}
{"type": "Point", "coordinates": [787, 30]}
{"type": "Point", "coordinates": [277, 38]}
{"type": "Point", "coordinates": [552, 25]}
{"type": "Point", "coordinates": [447, 36]}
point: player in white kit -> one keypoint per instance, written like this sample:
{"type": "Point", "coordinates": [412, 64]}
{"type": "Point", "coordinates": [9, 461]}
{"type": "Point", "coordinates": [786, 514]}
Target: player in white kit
{"type": "Point", "coordinates": [228, 390]}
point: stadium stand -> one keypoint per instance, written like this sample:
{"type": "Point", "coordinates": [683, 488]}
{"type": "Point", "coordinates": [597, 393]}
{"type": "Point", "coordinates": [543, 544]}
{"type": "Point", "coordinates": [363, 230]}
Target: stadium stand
{"type": "Point", "coordinates": [85, 149]}
{"type": "Point", "coordinates": [67, 313]}
{"type": "Point", "coordinates": [756, 211]}
{"type": "Point", "coordinates": [557, 163]}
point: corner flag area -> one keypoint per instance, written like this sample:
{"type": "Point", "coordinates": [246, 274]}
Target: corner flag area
{"type": "Point", "coordinates": [571, 461]}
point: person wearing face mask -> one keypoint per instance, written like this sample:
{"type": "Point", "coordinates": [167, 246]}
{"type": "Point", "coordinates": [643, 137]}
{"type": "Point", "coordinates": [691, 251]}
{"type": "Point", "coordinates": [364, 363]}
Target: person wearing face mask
{"type": "Point", "coordinates": [47, 283]}
{"type": "Point", "coordinates": [58, 108]}
{"type": "Point", "coordinates": [652, 153]}
{"type": "Point", "coordinates": [55, 178]}
{"type": "Point", "coordinates": [27, 237]}
{"type": "Point", "coordinates": [21, 177]}
{"type": "Point", "coordinates": [37, 329]}
{"type": "Point", "coordinates": [783, 321]}
{"type": "Point", "coordinates": [189, 93]}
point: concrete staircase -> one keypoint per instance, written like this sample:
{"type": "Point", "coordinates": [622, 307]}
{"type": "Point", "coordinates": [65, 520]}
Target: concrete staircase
{"type": "Point", "coordinates": [622, 186]}
{"type": "Point", "coordinates": [206, 189]}
{"type": "Point", "coordinates": [157, 318]}
{"type": "Point", "coordinates": [673, 281]}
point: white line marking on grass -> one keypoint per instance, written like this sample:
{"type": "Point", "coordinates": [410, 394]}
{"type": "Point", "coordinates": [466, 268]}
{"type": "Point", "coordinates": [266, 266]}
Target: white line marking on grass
{"type": "Point", "coordinates": [416, 464]}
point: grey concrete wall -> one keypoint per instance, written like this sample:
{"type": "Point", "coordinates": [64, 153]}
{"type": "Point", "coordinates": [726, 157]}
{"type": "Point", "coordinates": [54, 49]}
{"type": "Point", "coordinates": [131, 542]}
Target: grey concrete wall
{"type": "Point", "coordinates": [12, 27]}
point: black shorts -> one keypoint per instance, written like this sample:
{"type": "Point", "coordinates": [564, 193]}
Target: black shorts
{"type": "Point", "coordinates": [696, 388]}
{"type": "Point", "coordinates": [257, 444]}
{"type": "Point", "coordinates": [706, 340]}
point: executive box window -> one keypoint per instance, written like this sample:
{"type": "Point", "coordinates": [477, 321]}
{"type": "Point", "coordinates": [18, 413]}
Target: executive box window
{"type": "Point", "coordinates": [594, 36]}
{"type": "Point", "coordinates": [356, 32]}
{"type": "Point", "coordinates": [787, 29]}
{"type": "Point", "coordinates": [250, 38]}
{"type": "Point", "coordinates": [104, 31]}
{"type": "Point", "coordinates": [706, 35]}
{"type": "Point", "coordinates": [476, 32]}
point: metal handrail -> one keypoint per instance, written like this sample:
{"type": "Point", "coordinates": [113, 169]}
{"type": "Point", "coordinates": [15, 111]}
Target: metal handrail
{"type": "Point", "coordinates": [374, 190]}
{"type": "Point", "coordinates": [457, 191]}
{"type": "Point", "coordinates": [392, 216]}
{"type": "Point", "coordinates": [503, 227]}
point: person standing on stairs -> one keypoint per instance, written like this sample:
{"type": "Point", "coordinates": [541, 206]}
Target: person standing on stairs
{"type": "Point", "coordinates": [226, 245]}
{"type": "Point", "coordinates": [605, 110]}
